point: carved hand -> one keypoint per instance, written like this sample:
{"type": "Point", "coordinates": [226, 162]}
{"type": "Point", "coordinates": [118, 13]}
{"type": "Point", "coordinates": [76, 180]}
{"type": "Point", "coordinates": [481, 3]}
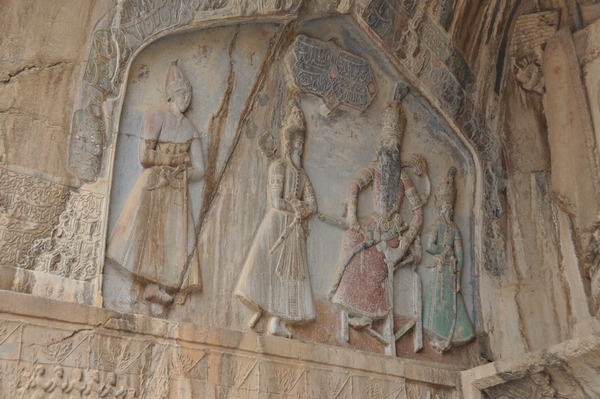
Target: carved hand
{"type": "Point", "coordinates": [178, 172]}
{"type": "Point", "coordinates": [395, 255]}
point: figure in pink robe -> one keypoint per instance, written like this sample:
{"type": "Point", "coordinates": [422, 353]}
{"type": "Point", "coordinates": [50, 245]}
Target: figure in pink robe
{"type": "Point", "coordinates": [360, 285]}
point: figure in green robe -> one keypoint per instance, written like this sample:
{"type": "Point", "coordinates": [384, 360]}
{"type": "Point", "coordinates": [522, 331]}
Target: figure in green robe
{"type": "Point", "coordinates": [445, 318]}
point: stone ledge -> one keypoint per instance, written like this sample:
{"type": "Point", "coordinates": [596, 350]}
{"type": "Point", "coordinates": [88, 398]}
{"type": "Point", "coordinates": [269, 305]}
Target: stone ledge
{"type": "Point", "coordinates": [22, 306]}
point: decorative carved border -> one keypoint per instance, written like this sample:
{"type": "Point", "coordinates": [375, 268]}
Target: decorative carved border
{"type": "Point", "coordinates": [421, 47]}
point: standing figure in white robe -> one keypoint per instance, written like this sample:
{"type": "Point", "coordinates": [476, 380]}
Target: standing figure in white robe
{"type": "Point", "coordinates": [275, 279]}
{"type": "Point", "coordinates": [154, 239]}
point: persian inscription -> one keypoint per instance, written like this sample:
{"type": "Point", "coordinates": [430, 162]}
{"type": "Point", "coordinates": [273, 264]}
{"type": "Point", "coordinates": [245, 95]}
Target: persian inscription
{"type": "Point", "coordinates": [29, 208]}
{"type": "Point", "coordinates": [335, 75]}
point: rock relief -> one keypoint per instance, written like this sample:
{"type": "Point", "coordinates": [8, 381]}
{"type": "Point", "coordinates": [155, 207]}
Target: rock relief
{"type": "Point", "coordinates": [275, 280]}
{"type": "Point", "coordinates": [154, 239]}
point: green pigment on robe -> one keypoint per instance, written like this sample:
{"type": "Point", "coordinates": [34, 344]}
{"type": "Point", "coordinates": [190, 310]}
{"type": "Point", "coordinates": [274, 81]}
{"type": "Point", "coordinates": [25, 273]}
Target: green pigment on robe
{"type": "Point", "coordinates": [438, 306]}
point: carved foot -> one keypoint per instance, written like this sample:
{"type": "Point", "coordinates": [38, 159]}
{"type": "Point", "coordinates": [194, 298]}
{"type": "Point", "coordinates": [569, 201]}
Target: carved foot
{"type": "Point", "coordinates": [153, 293]}
{"type": "Point", "coordinates": [277, 328]}
{"type": "Point", "coordinates": [358, 323]}
{"type": "Point", "coordinates": [439, 346]}
{"type": "Point", "coordinates": [254, 319]}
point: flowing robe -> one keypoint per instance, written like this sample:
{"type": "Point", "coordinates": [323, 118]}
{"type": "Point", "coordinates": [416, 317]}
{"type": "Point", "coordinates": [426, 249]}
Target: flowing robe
{"type": "Point", "coordinates": [154, 238]}
{"type": "Point", "coordinates": [278, 283]}
{"type": "Point", "coordinates": [444, 241]}
{"type": "Point", "coordinates": [363, 286]}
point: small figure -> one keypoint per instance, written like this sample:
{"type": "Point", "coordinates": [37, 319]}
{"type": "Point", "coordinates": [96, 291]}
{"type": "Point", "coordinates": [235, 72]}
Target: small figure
{"type": "Point", "coordinates": [94, 388]}
{"type": "Point", "coordinates": [275, 279]}
{"type": "Point", "coordinates": [445, 318]}
{"type": "Point", "coordinates": [59, 384]}
{"type": "Point", "coordinates": [543, 388]}
{"type": "Point", "coordinates": [38, 384]}
{"type": "Point", "coordinates": [110, 388]}
{"type": "Point", "coordinates": [154, 238]}
{"type": "Point", "coordinates": [77, 388]}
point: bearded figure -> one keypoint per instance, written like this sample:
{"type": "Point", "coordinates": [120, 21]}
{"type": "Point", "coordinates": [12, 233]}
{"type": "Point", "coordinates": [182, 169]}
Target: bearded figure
{"type": "Point", "coordinates": [382, 239]}
{"type": "Point", "coordinates": [275, 279]}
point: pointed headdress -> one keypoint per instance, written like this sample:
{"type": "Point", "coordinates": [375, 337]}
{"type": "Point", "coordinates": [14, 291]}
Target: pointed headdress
{"type": "Point", "coordinates": [176, 80]}
{"type": "Point", "coordinates": [394, 121]}
{"type": "Point", "coordinates": [294, 123]}
{"type": "Point", "coordinates": [446, 191]}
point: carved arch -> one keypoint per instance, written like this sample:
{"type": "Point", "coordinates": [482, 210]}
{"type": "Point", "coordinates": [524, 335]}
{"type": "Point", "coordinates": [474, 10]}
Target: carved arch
{"type": "Point", "coordinates": [437, 72]}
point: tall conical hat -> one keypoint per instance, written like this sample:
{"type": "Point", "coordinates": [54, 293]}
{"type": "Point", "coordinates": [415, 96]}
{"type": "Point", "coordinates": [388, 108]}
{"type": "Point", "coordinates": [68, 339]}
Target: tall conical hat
{"type": "Point", "coordinates": [446, 191]}
{"type": "Point", "coordinates": [394, 121]}
{"type": "Point", "coordinates": [176, 80]}
{"type": "Point", "coordinates": [294, 122]}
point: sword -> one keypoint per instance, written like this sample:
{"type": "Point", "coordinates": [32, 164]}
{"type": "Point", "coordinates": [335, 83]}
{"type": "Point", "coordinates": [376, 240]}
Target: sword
{"type": "Point", "coordinates": [285, 234]}
{"type": "Point", "coordinates": [367, 243]}
{"type": "Point", "coordinates": [333, 221]}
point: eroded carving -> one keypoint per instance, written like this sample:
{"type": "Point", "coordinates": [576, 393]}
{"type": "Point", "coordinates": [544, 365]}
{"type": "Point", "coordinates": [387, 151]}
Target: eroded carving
{"type": "Point", "coordinates": [536, 386]}
{"type": "Point", "coordinates": [153, 369]}
{"type": "Point", "coordinates": [445, 318]}
{"type": "Point", "coordinates": [134, 22]}
{"type": "Point", "coordinates": [154, 239]}
{"type": "Point", "coordinates": [442, 11]}
{"type": "Point", "coordinates": [72, 250]}
{"type": "Point", "coordinates": [424, 49]}
{"type": "Point", "coordinates": [374, 247]}
{"type": "Point", "coordinates": [527, 48]}
{"type": "Point", "coordinates": [335, 75]}
{"type": "Point", "coordinates": [57, 387]}
{"type": "Point", "coordinates": [87, 143]}
{"type": "Point", "coordinates": [592, 257]}
{"type": "Point", "coordinates": [29, 208]}
{"type": "Point", "coordinates": [275, 279]}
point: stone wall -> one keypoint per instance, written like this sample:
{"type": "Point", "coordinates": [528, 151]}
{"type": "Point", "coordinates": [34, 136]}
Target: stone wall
{"type": "Point", "coordinates": [180, 180]}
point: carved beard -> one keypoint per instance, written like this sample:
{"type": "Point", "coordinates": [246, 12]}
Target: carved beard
{"type": "Point", "coordinates": [389, 160]}
{"type": "Point", "coordinates": [296, 158]}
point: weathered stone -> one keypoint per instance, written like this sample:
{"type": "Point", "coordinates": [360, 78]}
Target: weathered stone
{"type": "Point", "coordinates": [161, 159]}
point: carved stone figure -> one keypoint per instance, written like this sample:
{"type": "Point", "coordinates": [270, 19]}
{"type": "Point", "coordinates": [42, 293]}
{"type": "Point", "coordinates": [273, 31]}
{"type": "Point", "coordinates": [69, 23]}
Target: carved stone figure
{"type": "Point", "coordinates": [94, 387]}
{"type": "Point", "coordinates": [375, 245]}
{"type": "Point", "coordinates": [38, 385]}
{"type": "Point", "coordinates": [111, 391]}
{"type": "Point", "coordinates": [527, 48]}
{"type": "Point", "coordinates": [544, 389]}
{"type": "Point", "coordinates": [59, 384]}
{"type": "Point", "coordinates": [154, 238]}
{"type": "Point", "coordinates": [445, 318]}
{"type": "Point", "coordinates": [275, 279]}
{"type": "Point", "coordinates": [77, 388]}
{"type": "Point", "coordinates": [528, 72]}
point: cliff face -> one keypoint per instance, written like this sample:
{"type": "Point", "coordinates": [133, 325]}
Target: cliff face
{"type": "Point", "coordinates": [231, 198]}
